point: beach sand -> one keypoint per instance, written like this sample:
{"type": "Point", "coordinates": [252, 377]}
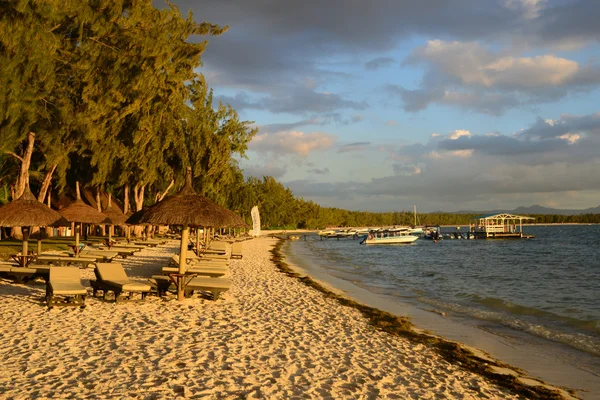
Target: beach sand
{"type": "Point", "coordinates": [270, 336]}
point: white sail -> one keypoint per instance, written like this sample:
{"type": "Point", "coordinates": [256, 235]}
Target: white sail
{"type": "Point", "coordinates": [255, 221]}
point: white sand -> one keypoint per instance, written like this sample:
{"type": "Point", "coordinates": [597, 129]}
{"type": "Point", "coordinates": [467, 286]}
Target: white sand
{"type": "Point", "coordinates": [270, 336]}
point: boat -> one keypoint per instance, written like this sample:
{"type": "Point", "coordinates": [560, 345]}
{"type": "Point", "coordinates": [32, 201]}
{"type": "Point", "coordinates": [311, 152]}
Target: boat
{"type": "Point", "coordinates": [415, 230]}
{"type": "Point", "coordinates": [432, 232]}
{"type": "Point", "coordinates": [387, 236]}
{"type": "Point", "coordinates": [327, 233]}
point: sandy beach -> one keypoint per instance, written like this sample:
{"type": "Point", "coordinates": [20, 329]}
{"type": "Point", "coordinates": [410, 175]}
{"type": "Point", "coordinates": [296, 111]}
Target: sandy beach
{"type": "Point", "coordinates": [270, 336]}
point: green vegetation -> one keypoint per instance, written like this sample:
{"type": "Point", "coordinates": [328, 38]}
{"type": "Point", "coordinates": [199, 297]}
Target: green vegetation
{"type": "Point", "coordinates": [107, 93]}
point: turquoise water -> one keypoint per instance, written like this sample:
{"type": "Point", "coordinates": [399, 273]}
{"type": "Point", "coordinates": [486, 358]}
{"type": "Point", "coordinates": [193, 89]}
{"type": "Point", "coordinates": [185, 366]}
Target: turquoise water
{"type": "Point", "coordinates": [548, 286]}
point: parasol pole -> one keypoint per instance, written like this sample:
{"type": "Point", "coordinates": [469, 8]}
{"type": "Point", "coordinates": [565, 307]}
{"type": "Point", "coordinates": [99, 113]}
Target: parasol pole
{"type": "Point", "coordinates": [39, 243]}
{"type": "Point", "coordinates": [110, 228]}
{"type": "Point", "coordinates": [25, 239]}
{"type": "Point", "coordinates": [182, 260]}
{"type": "Point", "coordinates": [77, 225]}
{"type": "Point", "coordinates": [198, 241]}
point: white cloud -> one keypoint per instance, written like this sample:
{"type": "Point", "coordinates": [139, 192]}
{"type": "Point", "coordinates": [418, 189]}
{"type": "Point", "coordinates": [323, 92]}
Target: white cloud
{"type": "Point", "coordinates": [292, 142]}
{"type": "Point", "coordinates": [472, 76]}
{"type": "Point", "coordinates": [458, 133]}
{"type": "Point", "coordinates": [471, 64]}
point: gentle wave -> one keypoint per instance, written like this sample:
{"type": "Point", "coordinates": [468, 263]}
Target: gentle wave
{"type": "Point", "coordinates": [551, 282]}
{"type": "Point", "coordinates": [587, 342]}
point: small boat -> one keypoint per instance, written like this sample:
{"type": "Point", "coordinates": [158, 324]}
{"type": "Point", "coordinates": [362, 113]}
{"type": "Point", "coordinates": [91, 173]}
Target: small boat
{"type": "Point", "coordinates": [432, 233]}
{"type": "Point", "coordinates": [389, 237]}
{"type": "Point", "coordinates": [327, 233]}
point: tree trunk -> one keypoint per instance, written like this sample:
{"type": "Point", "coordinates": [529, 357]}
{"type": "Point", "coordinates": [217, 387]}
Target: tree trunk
{"type": "Point", "coordinates": [46, 183]}
{"type": "Point", "coordinates": [160, 197]}
{"type": "Point", "coordinates": [126, 209]}
{"type": "Point", "coordinates": [126, 199]}
{"type": "Point", "coordinates": [138, 197]}
{"type": "Point", "coordinates": [99, 207]}
{"type": "Point", "coordinates": [23, 179]}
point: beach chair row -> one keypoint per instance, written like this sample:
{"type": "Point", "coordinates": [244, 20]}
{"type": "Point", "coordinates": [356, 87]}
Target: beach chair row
{"type": "Point", "coordinates": [64, 287]}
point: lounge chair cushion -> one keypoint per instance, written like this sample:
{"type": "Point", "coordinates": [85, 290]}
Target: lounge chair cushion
{"type": "Point", "coordinates": [65, 281]}
{"type": "Point", "coordinates": [114, 274]}
{"type": "Point", "coordinates": [209, 283]}
{"type": "Point", "coordinates": [130, 286]}
{"type": "Point", "coordinates": [202, 271]}
{"type": "Point", "coordinates": [236, 249]}
{"type": "Point", "coordinates": [218, 246]}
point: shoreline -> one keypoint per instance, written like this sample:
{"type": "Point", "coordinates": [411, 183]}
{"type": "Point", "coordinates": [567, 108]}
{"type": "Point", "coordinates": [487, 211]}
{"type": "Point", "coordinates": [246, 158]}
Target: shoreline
{"type": "Point", "coordinates": [449, 329]}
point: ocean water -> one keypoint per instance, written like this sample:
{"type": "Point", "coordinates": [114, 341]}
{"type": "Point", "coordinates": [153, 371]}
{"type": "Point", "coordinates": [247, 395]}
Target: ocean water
{"type": "Point", "coordinates": [548, 286]}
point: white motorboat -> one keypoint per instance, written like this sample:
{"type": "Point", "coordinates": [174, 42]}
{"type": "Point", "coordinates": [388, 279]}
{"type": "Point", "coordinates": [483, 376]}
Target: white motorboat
{"type": "Point", "coordinates": [389, 237]}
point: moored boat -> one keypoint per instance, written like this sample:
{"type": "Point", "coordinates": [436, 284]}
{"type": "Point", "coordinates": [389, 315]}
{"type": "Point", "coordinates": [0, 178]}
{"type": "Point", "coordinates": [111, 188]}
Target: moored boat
{"type": "Point", "coordinates": [389, 237]}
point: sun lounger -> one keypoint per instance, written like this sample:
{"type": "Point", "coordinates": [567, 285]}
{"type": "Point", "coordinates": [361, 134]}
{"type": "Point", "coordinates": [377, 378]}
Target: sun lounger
{"type": "Point", "coordinates": [64, 284]}
{"type": "Point", "coordinates": [16, 273]}
{"type": "Point", "coordinates": [121, 251]}
{"type": "Point", "coordinates": [149, 242]}
{"type": "Point", "coordinates": [111, 277]}
{"type": "Point", "coordinates": [129, 246]}
{"type": "Point", "coordinates": [65, 260]}
{"type": "Point", "coordinates": [208, 256]}
{"type": "Point", "coordinates": [211, 251]}
{"type": "Point", "coordinates": [218, 246]}
{"type": "Point", "coordinates": [215, 286]}
{"type": "Point", "coordinates": [200, 261]}
{"type": "Point", "coordinates": [236, 250]}
{"type": "Point", "coordinates": [213, 272]}
{"type": "Point", "coordinates": [99, 255]}
{"type": "Point", "coordinates": [23, 274]}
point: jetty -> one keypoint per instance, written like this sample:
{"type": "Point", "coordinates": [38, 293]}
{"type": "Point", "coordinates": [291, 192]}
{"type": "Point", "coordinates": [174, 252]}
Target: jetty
{"type": "Point", "coordinates": [499, 226]}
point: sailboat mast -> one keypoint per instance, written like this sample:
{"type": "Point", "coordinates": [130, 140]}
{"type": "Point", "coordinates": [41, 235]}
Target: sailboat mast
{"type": "Point", "coordinates": [415, 208]}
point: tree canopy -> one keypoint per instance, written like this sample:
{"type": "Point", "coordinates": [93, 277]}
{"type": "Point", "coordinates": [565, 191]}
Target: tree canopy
{"type": "Point", "coordinates": [108, 93]}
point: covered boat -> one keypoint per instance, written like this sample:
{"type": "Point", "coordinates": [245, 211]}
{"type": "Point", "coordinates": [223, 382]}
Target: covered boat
{"type": "Point", "coordinates": [387, 236]}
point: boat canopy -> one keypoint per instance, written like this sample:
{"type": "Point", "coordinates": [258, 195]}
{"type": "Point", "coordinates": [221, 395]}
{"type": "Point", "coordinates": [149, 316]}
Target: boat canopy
{"type": "Point", "coordinates": [501, 216]}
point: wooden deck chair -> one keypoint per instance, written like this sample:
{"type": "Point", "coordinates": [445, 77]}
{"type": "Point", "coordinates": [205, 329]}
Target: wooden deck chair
{"type": "Point", "coordinates": [236, 250]}
{"type": "Point", "coordinates": [111, 277]}
{"type": "Point", "coordinates": [211, 271]}
{"type": "Point", "coordinates": [215, 286]}
{"type": "Point", "coordinates": [64, 288]}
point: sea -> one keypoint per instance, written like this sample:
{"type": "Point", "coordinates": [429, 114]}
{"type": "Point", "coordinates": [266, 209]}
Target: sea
{"type": "Point", "coordinates": [547, 288]}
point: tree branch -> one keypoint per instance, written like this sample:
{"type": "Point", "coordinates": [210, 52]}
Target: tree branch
{"type": "Point", "coordinates": [14, 155]}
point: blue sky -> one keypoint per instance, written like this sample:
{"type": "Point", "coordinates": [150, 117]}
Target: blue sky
{"type": "Point", "coordinates": [448, 105]}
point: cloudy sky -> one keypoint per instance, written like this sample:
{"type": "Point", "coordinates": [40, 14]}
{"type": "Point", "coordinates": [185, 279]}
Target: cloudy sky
{"type": "Point", "coordinates": [448, 105]}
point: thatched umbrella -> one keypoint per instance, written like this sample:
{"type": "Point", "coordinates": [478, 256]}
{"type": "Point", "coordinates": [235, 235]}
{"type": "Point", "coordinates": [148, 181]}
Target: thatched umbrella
{"type": "Point", "coordinates": [115, 215]}
{"type": "Point", "coordinates": [186, 208]}
{"type": "Point", "coordinates": [80, 213]}
{"type": "Point", "coordinates": [27, 211]}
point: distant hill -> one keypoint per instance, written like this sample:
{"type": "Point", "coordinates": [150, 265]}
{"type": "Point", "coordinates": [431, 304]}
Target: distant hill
{"type": "Point", "coordinates": [536, 209]}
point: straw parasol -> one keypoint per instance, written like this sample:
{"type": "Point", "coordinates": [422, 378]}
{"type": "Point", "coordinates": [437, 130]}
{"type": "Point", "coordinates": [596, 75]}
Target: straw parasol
{"type": "Point", "coordinates": [115, 215]}
{"type": "Point", "coordinates": [80, 213]}
{"type": "Point", "coordinates": [27, 211]}
{"type": "Point", "coordinates": [186, 208]}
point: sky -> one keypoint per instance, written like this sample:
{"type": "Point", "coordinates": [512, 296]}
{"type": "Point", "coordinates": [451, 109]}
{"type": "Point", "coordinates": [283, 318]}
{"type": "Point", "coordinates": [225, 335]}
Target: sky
{"type": "Point", "coordinates": [385, 104]}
